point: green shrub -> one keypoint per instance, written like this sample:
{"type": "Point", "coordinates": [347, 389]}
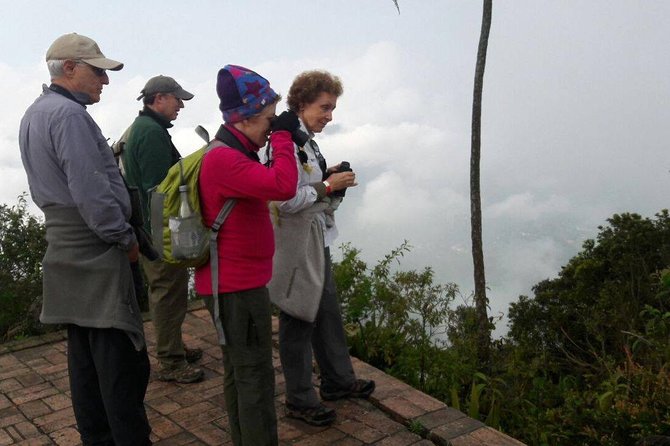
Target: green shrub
{"type": "Point", "coordinates": [398, 321]}
{"type": "Point", "coordinates": [588, 357]}
{"type": "Point", "coordinates": [22, 246]}
{"type": "Point", "coordinates": [586, 360]}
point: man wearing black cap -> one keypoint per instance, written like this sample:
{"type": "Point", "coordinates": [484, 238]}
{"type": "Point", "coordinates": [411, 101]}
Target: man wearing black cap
{"type": "Point", "coordinates": [86, 270]}
{"type": "Point", "coordinates": [147, 156]}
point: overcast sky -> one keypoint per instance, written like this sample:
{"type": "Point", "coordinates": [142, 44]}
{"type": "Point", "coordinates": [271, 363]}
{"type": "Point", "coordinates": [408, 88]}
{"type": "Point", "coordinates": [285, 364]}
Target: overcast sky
{"type": "Point", "coordinates": [575, 110]}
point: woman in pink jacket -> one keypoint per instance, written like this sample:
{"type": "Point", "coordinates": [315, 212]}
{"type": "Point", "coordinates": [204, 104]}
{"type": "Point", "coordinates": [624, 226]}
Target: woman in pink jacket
{"type": "Point", "coordinates": [246, 244]}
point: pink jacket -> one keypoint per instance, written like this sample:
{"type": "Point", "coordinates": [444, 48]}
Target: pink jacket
{"type": "Point", "coordinates": [246, 239]}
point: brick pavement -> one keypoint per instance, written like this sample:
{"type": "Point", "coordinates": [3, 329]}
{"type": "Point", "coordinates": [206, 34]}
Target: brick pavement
{"type": "Point", "coordinates": [35, 407]}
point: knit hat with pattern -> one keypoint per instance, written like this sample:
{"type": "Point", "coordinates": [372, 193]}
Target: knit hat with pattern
{"type": "Point", "coordinates": [243, 93]}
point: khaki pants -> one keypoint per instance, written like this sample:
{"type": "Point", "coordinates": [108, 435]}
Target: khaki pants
{"type": "Point", "coordinates": [168, 300]}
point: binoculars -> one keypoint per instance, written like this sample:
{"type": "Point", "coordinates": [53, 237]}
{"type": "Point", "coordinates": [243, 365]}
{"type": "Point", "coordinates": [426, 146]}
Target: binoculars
{"type": "Point", "coordinates": [344, 167]}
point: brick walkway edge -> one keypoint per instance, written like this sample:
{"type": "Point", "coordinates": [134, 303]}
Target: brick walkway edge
{"type": "Point", "coordinates": [35, 406]}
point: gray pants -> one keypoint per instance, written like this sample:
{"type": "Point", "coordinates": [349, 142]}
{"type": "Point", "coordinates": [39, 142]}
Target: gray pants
{"type": "Point", "coordinates": [326, 338]}
{"type": "Point", "coordinates": [168, 302]}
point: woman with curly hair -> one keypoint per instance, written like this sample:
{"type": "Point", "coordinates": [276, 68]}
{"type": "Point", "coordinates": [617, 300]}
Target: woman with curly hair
{"type": "Point", "coordinates": [302, 285]}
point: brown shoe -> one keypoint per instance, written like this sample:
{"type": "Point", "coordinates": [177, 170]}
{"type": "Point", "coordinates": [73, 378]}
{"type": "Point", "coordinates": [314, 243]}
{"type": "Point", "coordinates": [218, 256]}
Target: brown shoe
{"type": "Point", "coordinates": [316, 416]}
{"type": "Point", "coordinates": [362, 388]}
{"type": "Point", "coordinates": [192, 354]}
{"type": "Point", "coordinates": [183, 373]}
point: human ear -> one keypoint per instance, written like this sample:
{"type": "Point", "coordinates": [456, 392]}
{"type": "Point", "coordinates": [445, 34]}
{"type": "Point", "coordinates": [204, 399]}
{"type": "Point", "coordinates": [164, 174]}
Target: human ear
{"type": "Point", "coordinates": [68, 67]}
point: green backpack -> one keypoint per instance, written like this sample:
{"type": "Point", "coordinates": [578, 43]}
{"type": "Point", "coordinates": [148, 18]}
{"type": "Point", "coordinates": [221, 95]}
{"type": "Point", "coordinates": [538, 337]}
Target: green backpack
{"type": "Point", "coordinates": [180, 237]}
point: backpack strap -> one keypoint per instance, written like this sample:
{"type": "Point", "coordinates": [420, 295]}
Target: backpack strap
{"type": "Point", "coordinates": [214, 265]}
{"type": "Point", "coordinates": [227, 139]}
{"type": "Point", "coordinates": [226, 136]}
{"type": "Point", "coordinates": [118, 147]}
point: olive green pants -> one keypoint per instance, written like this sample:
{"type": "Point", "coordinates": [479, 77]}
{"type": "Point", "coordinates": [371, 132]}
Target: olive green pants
{"type": "Point", "coordinates": [168, 301]}
{"type": "Point", "coordinates": [249, 379]}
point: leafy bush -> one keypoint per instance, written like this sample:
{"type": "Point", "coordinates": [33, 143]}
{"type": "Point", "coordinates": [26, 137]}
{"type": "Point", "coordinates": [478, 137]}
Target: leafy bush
{"type": "Point", "coordinates": [586, 360]}
{"type": "Point", "coordinates": [579, 321]}
{"type": "Point", "coordinates": [397, 320]}
{"type": "Point", "coordinates": [589, 356]}
{"type": "Point", "coordinates": [22, 246]}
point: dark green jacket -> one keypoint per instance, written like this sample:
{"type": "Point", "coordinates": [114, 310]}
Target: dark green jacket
{"type": "Point", "coordinates": [148, 155]}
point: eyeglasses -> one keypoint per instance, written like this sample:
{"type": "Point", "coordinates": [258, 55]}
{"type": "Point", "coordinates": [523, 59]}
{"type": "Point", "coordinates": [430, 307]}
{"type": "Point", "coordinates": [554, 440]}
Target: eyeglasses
{"type": "Point", "coordinates": [97, 71]}
{"type": "Point", "coordinates": [179, 100]}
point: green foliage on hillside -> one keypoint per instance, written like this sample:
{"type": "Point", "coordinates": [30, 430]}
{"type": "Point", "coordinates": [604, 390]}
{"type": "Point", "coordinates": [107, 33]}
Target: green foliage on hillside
{"type": "Point", "coordinates": [586, 360]}
{"type": "Point", "coordinates": [590, 352]}
{"type": "Point", "coordinates": [22, 246]}
{"type": "Point", "coordinates": [403, 323]}
{"type": "Point", "coordinates": [396, 320]}
{"type": "Point", "coordinates": [583, 319]}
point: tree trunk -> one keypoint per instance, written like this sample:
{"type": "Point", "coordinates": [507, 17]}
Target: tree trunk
{"type": "Point", "coordinates": [481, 301]}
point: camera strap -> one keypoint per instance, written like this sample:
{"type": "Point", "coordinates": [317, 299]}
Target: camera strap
{"type": "Point", "coordinates": [319, 158]}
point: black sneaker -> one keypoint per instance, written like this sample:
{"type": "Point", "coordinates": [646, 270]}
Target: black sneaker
{"type": "Point", "coordinates": [192, 354]}
{"type": "Point", "coordinates": [362, 388]}
{"type": "Point", "coordinates": [316, 416]}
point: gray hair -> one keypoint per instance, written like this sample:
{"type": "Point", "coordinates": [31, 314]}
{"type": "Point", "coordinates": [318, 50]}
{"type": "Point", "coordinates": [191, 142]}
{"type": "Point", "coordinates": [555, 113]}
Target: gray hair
{"type": "Point", "coordinates": [55, 68]}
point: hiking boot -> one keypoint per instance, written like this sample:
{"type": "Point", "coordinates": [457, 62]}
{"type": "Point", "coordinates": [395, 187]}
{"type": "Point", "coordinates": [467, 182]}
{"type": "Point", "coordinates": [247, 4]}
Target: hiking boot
{"type": "Point", "coordinates": [183, 373]}
{"type": "Point", "coordinates": [362, 388]}
{"type": "Point", "coordinates": [192, 355]}
{"type": "Point", "coordinates": [316, 416]}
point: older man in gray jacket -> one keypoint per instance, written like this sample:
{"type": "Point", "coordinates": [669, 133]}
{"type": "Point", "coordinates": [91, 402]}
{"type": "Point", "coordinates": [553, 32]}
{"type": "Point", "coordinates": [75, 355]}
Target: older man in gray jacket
{"type": "Point", "coordinates": [87, 278]}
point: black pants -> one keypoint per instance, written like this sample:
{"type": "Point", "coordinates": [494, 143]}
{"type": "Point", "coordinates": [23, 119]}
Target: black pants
{"type": "Point", "coordinates": [108, 381]}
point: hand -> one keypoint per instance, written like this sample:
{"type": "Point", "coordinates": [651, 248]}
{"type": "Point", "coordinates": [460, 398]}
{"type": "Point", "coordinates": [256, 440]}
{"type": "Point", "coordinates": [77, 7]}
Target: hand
{"type": "Point", "coordinates": [144, 242]}
{"type": "Point", "coordinates": [299, 137]}
{"type": "Point", "coordinates": [333, 169]}
{"type": "Point", "coordinates": [342, 180]}
{"type": "Point", "coordinates": [134, 253]}
{"type": "Point", "coordinates": [288, 120]}
{"type": "Point", "coordinates": [343, 166]}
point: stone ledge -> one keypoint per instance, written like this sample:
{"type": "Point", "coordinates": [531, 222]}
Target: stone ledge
{"type": "Point", "coordinates": [442, 425]}
{"type": "Point", "coordinates": [33, 341]}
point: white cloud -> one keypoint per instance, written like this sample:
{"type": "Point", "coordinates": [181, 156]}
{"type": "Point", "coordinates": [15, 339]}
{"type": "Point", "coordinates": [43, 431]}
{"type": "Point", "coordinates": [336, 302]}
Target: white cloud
{"type": "Point", "coordinates": [574, 117]}
{"type": "Point", "coordinates": [526, 207]}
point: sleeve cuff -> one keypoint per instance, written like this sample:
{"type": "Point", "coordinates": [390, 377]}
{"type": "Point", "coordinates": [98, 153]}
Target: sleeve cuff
{"type": "Point", "coordinates": [320, 189]}
{"type": "Point", "coordinates": [128, 242]}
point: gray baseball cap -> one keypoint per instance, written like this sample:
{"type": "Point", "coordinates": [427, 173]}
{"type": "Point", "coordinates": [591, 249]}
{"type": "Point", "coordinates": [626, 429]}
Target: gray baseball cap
{"type": "Point", "coordinates": [164, 84]}
{"type": "Point", "coordinates": [74, 46]}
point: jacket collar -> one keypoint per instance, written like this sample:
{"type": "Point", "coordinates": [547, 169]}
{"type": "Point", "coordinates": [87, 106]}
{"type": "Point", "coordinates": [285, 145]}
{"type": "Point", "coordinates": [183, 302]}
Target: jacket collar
{"type": "Point", "coordinates": [303, 127]}
{"type": "Point", "coordinates": [246, 142]}
{"type": "Point", "coordinates": [146, 111]}
{"type": "Point", "coordinates": [232, 137]}
{"type": "Point", "coordinates": [80, 98]}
